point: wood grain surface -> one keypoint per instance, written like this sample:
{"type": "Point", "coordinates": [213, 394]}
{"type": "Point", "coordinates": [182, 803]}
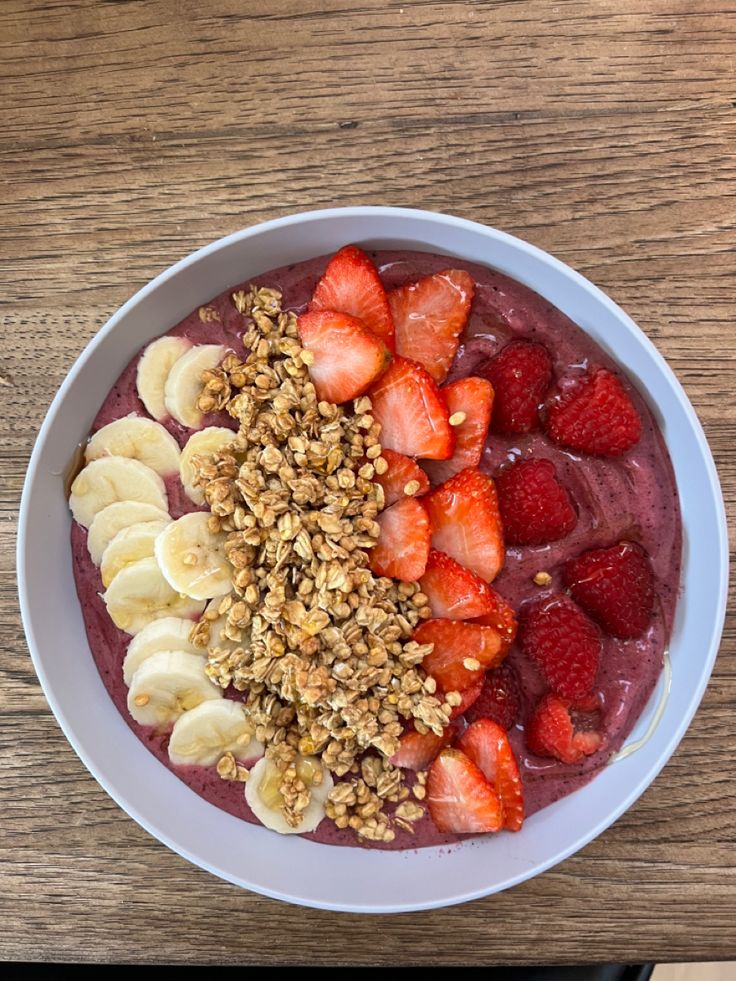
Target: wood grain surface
{"type": "Point", "coordinates": [134, 132]}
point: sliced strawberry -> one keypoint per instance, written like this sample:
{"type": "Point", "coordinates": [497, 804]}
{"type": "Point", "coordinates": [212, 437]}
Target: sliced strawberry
{"type": "Point", "coordinates": [412, 413]}
{"type": "Point", "coordinates": [502, 617]}
{"type": "Point", "coordinates": [520, 374]}
{"type": "Point", "coordinates": [499, 698]}
{"type": "Point", "coordinates": [402, 549]}
{"type": "Point", "coordinates": [551, 731]}
{"type": "Point", "coordinates": [453, 591]}
{"type": "Point", "coordinates": [472, 399]}
{"type": "Point", "coordinates": [404, 478]}
{"type": "Point", "coordinates": [462, 652]}
{"type": "Point", "coordinates": [594, 416]}
{"type": "Point", "coordinates": [564, 644]}
{"type": "Point", "coordinates": [459, 798]}
{"type": "Point", "coordinates": [486, 743]}
{"type": "Point", "coordinates": [429, 317]}
{"type": "Point", "coordinates": [466, 523]}
{"type": "Point", "coordinates": [351, 284]}
{"type": "Point", "coordinates": [347, 356]}
{"type": "Point", "coordinates": [615, 586]}
{"type": "Point", "coordinates": [418, 749]}
{"type": "Point", "coordinates": [535, 506]}
{"type": "Point", "coordinates": [468, 697]}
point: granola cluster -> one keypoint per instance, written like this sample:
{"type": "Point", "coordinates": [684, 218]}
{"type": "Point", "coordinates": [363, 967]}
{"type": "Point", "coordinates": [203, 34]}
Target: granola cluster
{"type": "Point", "coordinates": [320, 645]}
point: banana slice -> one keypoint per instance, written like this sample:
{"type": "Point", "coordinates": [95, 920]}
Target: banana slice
{"type": "Point", "coordinates": [201, 736]}
{"type": "Point", "coordinates": [262, 795]}
{"type": "Point", "coordinates": [114, 478]}
{"type": "Point", "coordinates": [192, 558]}
{"type": "Point", "coordinates": [166, 634]}
{"type": "Point", "coordinates": [138, 438]}
{"type": "Point", "coordinates": [209, 440]}
{"type": "Point", "coordinates": [129, 545]}
{"type": "Point", "coordinates": [184, 384]}
{"type": "Point", "coordinates": [168, 684]}
{"type": "Point", "coordinates": [112, 519]}
{"type": "Point", "coordinates": [139, 593]}
{"type": "Point", "coordinates": [153, 369]}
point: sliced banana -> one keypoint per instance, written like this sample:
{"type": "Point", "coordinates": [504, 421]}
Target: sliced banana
{"type": "Point", "coordinates": [201, 736]}
{"type": "Point", "coordinates": [114, 478]}
{"type": "Point", "coordinates": [129, 545]}
{"type": "Point", "coordinates": [153, 369]}
{"type": "Point", "coordinates": [168, 684]}
{"type": "Point", "coordinates": [112, 519]}
{"type": "Point", "coordinates": [209, 440]}
{"type": "Point", "coordinates": [165, 634]}
{"type": "Point", "coordinates": [138, 438]}
{"type": "Point", "coordinates": [192, 558]}
{"type": "Point", "coordinates": [139, 593]}
{"type": "Point", "coordinates": [261, 794]}
{"type": "Point", "coordinates": [184, 384]}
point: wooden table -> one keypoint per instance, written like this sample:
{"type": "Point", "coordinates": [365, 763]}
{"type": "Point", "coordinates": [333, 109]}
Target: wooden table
{"type": "Point", "coordinates": [133, 133]}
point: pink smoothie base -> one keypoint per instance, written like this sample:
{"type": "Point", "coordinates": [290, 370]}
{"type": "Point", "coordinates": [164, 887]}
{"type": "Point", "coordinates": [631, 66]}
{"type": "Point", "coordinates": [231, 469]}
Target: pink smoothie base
{"type": "Point", "coordinates": [633, 497]}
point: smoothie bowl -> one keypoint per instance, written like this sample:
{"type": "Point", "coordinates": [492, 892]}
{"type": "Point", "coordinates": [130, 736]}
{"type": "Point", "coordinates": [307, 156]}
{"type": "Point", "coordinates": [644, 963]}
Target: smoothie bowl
{"type": "Point", "coordinates": [412, 546]}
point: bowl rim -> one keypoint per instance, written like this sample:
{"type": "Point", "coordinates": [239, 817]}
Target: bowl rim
{"type": "Point", "coordinates": [545, 258]}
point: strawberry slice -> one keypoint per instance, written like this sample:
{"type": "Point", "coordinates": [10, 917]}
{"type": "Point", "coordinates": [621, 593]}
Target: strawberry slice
{"type": "Point", "coordinates": [404, 478]}
{"type": "Point", "coordinates": [462, 652]}
{"type": "Point", "coordinates": [468, 696]}
{"type": "Point", "coordinates": [418, 749]}
{"type": "Point", "coordinates": [501, 616]}
{"type": "Point", "coordinates": [552, 731]}
{"type": "Point", "coordinates": [347, 356]}
{"type": "Point", "coordinates": [429, 317]}
{"type": "Point", "coordinates": [453, 591]}
{"type": "Point", "coordinates": [351, 284]}
{"type": "Point", "coordinates": [564, 644]}
{"type": "Point", "coordinates": [486, 743]}
{"type": "Point", "coordinates": [466, 523]}
{"type": "Point", "coordinates": [471, 398]}
{"type": "Point", "coordinates": [402, 549]}
{"type": "Point", "coordinates": [459, 798]}
{"type": "Point", "coordinates": [412, 413]}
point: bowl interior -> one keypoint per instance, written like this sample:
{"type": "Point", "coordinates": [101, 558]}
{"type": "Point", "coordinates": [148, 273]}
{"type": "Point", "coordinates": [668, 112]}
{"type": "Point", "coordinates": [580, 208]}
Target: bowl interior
{"type": "Point", "coordinates": [290, 868]}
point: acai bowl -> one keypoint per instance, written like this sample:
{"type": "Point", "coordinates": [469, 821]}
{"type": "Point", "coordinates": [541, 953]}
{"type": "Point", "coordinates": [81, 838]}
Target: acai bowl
{"type": "Point", "coordinates": [442, 872]}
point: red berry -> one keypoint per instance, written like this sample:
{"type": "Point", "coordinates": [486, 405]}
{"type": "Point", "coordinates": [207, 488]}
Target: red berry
{"type": "Point", "coordinates": [458, 647]}
{"type": "Point", "coordinates": [535, 507]}
{"type": "Point", "coordinates": [594, 416]}
{"type": "Point", "coordinates": [520, 374]}
{"type": "Point", "coordinates": [502, 617]}
{"type": "Point", "coordinates": [418, 749]}
{"type": "Point", "coordinates": [551, 732]}
{"type": "Point", "coordinates": [615, 586]}
{"type": "Point", "coordinates": [429, 317]}
{"type": "Point", "coordinates": [563, 643]}
{"type": "Point", "coordinates": [485, 742]}
{"type": "Point", "coordinates": [459, 798]}
{"type": "Point", "coordinates": [347, 356]}
{"type": "Point", "coordinates": [402, 472]}
{"type": "Point", "coordinates": [499, 699]}
{"type": "Point", "coordinates": [412, 412]}
{"type": "Point", "coordinates": [467, 697]}
{"type": "Point", "coordinates": [466, 523]}
{"type": "Point", "coordinates": [403, 544]}
{"type": "Point", "coordinates": [453, 591]}
{"type": "Point", "coordinates": [351, 284]}
{"type": "Point", "coordinates": [473, 397]}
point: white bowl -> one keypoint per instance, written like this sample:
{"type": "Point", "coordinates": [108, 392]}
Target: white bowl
{"type": "Point", "coordinates": [290, 868]}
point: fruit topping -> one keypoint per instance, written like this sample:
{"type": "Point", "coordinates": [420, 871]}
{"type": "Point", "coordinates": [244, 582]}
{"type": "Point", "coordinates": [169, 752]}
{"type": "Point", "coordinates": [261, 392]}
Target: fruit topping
{"type": "Point", "coordinates": [551, 731]}
{"type": "Point", "coordinates": [418, 749]}
{"type": "Point", "coordinates": [470, 403]}
{"type": "Point", "coordinates": [346, 356]}
{"type": "Point", "coordinates": [403, 478]}
{"type": "Point", "coordinates": [520, 374]}
{"type": "Point", "coordinates": [563, 643]}
{"type": "Point", "coordinates": [459, 798]}
{"type": "Point", "coordinates": [453, 591]}
{"type": "Point", "coordinates": [462, 652]}
{"type": "Point", "coordinates": [535, 506]}
{"type": "Point", "coordinates": [499, 698]}
{"type": "Point", "coordinates": [501, 616]}
{"type": "Point", "coordinates": [594, 416]}
{"type": "Point", "coordinates": [403, 543]}
{"type": "Point", "coordinates": [486, 743]}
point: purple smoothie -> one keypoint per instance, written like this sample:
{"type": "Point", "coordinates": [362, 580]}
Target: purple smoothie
{"type": "Point", "coordinates": [632, 497]}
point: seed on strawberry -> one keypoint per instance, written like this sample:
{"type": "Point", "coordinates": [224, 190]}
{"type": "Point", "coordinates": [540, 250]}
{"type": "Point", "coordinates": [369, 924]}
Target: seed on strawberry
{"type": "Point", "coordinates": [351, 284]}
{"type": "Point", "coordinates": [499, 698]}
{"type": "Point", "coordinates": [470, 403]}
{"type": "Point", "coordinates": [429, 317]}
{"type": "Point", "coordinates": [551, 732]}
{"type": "Point", "coordinates": [520, 374]}
{"type": "Point", "coordinates": [466, 523]}
{"type": "Point", "coordinates": [594, 416]}
{"type": "Point", "coordinates": [501, 616]}
{"type": "Point", "coordinates": [347, 356]}
{"type": "Point", "coordinates": [462, 652]}
{"type": "Point", "coordinates": [459, 798]}
{"type": "Point", "coordinates": [486, 743]}
{"type": "Point", "coordinates": [418, 749]}
{"type": "Point", "coordinates": [402, 549]}
{"type": "Point", "coordinates": [412, 412]}
{"type": "Point", "coordinates": [453, 591]}
{"type": "Point", "coordinates": [563, 643]}
{"type": "Point", "coordinates": [404, 478]}
{"type": "Point", "coordinates": [535, 506]}
{"type": "Point", "coordinates": [615, 586]}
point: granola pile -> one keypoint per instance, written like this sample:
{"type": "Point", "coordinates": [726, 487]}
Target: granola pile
{"type": "Point", "coordinates": [320, 645]}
